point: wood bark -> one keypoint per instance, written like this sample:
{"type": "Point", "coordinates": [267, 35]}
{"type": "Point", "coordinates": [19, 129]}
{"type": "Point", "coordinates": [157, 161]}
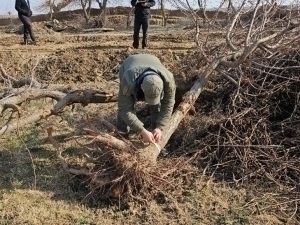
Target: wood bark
{"type": "Point", "coordinates": [152, 151]}
{"type": "Point", "coordinates": [27, 89]}
{"type": "Point", "coordinates": [84, 97]}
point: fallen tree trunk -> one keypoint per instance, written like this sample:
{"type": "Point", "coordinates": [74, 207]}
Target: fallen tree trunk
{"type": "Point", "coordinates": [103, 29]}
{"type": "Point", "coordinates": [14, 100]}
{"type": "Point", "coordinates": [152, 151]}
{"type": "Point", "coordinates": [27, 89]}
{"type": "Point", "coordinates": [84, 97]}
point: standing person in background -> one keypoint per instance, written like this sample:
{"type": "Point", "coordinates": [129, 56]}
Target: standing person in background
{"type": "Point", "coordinates": [24, 13]}
{"type": "Point", "coordinates": [141, 18]}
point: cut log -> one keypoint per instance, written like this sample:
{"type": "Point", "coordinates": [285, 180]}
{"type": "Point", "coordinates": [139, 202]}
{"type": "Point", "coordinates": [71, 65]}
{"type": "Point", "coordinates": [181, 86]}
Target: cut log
{"type": "Point", "coordinates": [84, 97]}
{"type": "Point", "coordinates": [30, 94]}
{"type": "Point", "coordinates": [152, 151]}
{"type": "Point", "coordinates": [103, 29]}
{"type": "Point", "coordinates": [27, 89]}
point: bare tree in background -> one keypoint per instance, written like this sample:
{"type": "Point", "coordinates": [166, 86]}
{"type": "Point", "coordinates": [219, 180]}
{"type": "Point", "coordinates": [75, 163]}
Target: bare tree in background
{"type": "Point", "coordinates": [51, 9]}
{"type": "Point", "coordinates": [196, 11]}
{"type": "Point", "coordinates": [189, 9]}
{"type": "Point", "coordinates": [102, 15]}
{"type": "Point", "coordinates": [164, 13]}
{"type": "Point", "coordinates": [202, 11]}
{"type": "Point", "coordinates": [129, 17]}
{"type": "Point", "coordinates": [86, 7]}
{"type": "Point", "coordinates": [54, 6]}
{"type": "Point", "coordinates": [9, 14]}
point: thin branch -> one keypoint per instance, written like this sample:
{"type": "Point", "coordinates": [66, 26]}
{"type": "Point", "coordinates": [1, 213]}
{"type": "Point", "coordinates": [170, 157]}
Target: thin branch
{"type": "Point", "coordinates": [251, 23]}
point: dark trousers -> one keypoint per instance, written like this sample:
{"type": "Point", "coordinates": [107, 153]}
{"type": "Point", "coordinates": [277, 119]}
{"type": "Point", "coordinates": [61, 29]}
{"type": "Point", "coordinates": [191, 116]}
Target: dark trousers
{"type": "Point", "coordinates": [138, 23]}
{"type": "Point", "coordinates": [28, 31]}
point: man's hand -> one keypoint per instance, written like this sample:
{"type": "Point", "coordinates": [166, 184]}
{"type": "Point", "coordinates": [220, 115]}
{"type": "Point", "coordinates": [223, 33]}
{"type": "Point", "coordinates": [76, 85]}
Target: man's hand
{"type": "Point", "coordinates": [147, 136]}
{"type": "Point", "coordinates": [141, 2]}
{"type": "Point", "coordinates": [157, 133]}
{"type": "Point", "coordinates": [29, 14]}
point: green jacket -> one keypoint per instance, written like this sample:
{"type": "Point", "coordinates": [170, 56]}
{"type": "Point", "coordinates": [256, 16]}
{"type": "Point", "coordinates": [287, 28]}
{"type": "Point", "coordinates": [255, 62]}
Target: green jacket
{"type": "Point", "coordinates": [133, 67]}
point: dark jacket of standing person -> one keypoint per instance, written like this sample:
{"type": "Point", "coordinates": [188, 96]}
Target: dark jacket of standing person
{"type": "Point", "coordinates": [23, 8]}
{"type": "Point", "coordinates": [24, 13]}
{"type": "Point", "coordinates": [141, 19]}
{"type": "Point", "coordinates": [142, 10]}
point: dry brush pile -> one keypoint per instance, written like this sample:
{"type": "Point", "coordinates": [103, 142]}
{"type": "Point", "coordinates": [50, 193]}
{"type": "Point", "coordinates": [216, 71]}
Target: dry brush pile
{"type": "Point", "coordinates": [249, 135]}
{"type": "Point", "coordinates": [113, 167]}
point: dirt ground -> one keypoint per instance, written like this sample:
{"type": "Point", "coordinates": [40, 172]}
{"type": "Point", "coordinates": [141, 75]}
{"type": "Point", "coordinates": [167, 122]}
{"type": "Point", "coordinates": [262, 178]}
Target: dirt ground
{"type": "Point", "coordinates": [35, 189]}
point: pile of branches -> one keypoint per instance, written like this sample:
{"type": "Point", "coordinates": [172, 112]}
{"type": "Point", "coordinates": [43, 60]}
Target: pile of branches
{"type": "Point", "coordinates": [256, 136]}
{"type": "Point", "coordinates": [111, 166]}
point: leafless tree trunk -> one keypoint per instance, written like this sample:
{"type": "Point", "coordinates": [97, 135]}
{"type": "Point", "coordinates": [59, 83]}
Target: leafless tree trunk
{"type": "Point", "coordinates": [103, 12]}
{"type": "Point", "coordinates": [51, 9]}
{"type": "Point", "coordinates": [163, 13]}
{"type": "Point", "coordinates": [129, 18]}
{"type": "Point", "coordinates": [9, 14]}
{"type": "Point", "coordinates": [28, 89]}
{"type": "Point", "coordinates": [202, 11]}
{"type": "Point", "coordinates": [86, 8]}
{"type": "Point", "coordinates": [54, 5]}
